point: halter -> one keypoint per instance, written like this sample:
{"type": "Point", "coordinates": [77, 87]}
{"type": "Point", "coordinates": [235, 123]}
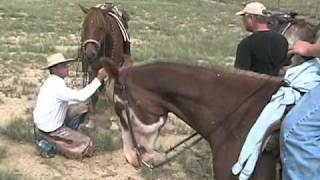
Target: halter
{"type": "Point", "coordinates": [122, 86]}
{"type": "Point", "coordinates": [113, 14]}
{"type": "Point", "coordinates": [97, 43]}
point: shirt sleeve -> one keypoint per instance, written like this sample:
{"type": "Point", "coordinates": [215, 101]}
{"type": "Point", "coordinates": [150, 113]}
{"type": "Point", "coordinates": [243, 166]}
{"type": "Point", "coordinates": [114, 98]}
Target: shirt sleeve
{"type": "Point", "coordinates": [68, 94]}
{"type": "Point", "coordinates": [243, 58]}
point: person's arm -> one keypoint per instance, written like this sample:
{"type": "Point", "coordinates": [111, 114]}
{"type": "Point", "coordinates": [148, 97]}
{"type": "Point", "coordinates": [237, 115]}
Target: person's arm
{"type": "Point", "coordinates": [67, 94]}
{"type": "Point", "coordinates": [304, 48]}
{"type": "Point", "coordinates": [243, 58]}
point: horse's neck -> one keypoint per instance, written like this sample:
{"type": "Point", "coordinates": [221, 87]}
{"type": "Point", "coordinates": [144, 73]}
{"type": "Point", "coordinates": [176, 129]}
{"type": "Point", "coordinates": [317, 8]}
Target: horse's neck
{"type": "Point", "coordinates": [236, 126]}
{"type": "Point", "coordinates": [204, 99]}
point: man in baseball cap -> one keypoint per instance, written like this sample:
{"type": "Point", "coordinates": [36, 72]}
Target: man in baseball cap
{"type": "Point", "coordinates": [263, 51]}
{"type": "Point", "coordinates": [55, 100]}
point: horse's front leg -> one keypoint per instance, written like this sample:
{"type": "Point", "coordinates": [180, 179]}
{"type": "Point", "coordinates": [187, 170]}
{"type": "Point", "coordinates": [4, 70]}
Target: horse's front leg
{"type": "Point", "coordinates": [266, 167]}
{"type": "Point", "coordinates": [91, 117]}
{"type": "Point", "coordinates": [92, 111]}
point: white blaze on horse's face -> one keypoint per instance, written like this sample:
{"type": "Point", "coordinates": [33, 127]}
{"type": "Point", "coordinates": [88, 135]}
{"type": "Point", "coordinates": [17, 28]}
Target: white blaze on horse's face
{"type": "Point", "coordinates": [145, 136]}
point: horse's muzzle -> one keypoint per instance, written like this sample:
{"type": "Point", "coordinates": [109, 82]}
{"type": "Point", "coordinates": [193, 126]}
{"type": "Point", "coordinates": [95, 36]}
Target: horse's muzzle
{"type": "Point", "coordinates": [91, 52]}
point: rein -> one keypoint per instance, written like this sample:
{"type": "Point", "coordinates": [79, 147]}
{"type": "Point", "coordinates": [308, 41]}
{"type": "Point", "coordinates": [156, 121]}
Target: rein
{"type": "Point", "coordinates": [102, 47]}
{"type": "Point", "coordinates": [212, 130]}
{"type": "Point", "coordinates": [196, 133]}
{"type": "Point", "coordinates": [138, 148]}
{"type": "Point", "coordinates": [85, 63]}
{"type": "Point", "coordinates": [124, 95]}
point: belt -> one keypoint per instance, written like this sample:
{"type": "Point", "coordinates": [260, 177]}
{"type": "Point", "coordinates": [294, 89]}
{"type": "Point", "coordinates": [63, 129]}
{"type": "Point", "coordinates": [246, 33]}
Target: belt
{"type": "Point", "coordinates": [50, 131]}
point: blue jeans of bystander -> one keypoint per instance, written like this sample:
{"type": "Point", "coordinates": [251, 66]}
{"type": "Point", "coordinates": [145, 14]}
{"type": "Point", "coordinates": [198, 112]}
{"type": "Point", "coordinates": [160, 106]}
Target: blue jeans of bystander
{"type": "Point", "coordinates": [300, 139]}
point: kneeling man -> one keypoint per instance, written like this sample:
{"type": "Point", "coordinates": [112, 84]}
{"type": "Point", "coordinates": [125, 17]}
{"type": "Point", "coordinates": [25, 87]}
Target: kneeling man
{"type": "Point", "coordinates": [60, 110]}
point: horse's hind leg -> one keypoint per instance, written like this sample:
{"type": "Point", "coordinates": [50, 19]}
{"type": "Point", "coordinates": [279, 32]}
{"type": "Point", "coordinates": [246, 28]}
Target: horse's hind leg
{"type": "Point", "coordinates": [266, 167]}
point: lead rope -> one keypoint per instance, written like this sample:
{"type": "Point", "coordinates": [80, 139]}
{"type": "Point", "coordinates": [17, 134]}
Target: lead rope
{"type": "Point", "coordinates": [134, 141]}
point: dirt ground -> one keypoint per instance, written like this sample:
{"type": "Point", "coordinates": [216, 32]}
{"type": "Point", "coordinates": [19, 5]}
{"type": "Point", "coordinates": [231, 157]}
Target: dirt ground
{"type": "Point", "coordinates": [23, 160]}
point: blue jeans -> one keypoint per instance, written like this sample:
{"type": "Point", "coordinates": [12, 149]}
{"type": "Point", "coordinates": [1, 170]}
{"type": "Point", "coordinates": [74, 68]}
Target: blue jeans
{"type": "Point", "coordinates": [75, 122]}
{"type": "Point", "coordinates": [300, 139]}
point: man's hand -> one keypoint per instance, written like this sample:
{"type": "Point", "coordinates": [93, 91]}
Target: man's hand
{"type": "Point", "coordinates": [300, 48]}
{"type": "Point", "coordinates": [102, 74]}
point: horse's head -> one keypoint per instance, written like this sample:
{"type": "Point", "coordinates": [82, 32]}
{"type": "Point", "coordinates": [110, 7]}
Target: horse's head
{"type": "Point", "coordinates": [141, 115]}
{"type": "Point", "coordinates": [279, 19]}
{"type": "Point", "coordinates": [94, 31]}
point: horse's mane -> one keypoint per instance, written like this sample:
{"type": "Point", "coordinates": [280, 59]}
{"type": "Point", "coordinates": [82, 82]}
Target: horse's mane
{"type": "Point", "coordinates": [96, 15]}
{"type": "Point", "coordinates": [206, 66]}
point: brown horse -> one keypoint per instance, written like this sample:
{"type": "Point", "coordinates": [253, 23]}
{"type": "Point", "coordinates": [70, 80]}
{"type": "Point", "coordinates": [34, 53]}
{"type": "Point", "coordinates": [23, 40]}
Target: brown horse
{"type": "Point", "coordinates": [294, 29]}
{"type": "Point", "coordinates": [104, 34]}
{"type": "Point", "coordinates": [220, 105]}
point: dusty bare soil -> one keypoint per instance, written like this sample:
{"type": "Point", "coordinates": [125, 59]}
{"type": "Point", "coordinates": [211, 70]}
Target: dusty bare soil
{"type": "Point", "coordinates": [23, 160]}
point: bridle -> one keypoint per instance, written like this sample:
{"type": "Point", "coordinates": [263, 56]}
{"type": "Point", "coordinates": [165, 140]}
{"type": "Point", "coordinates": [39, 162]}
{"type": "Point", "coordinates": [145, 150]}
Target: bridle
{"type": "Point", "coordinates": [85, 63]}
{"type": "Point", "coordinates": [101, 46]}
{"type": "Point", "coordinates": [97, 43]}
{"type": "Point", "coordinates": [121, 86]}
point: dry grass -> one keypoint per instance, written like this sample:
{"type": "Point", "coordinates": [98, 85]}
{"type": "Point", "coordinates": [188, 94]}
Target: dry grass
{"type": "Point", "coordinates": [20, 129]}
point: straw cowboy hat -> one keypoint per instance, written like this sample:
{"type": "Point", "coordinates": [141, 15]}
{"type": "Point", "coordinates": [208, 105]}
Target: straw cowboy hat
{"type": "Point", "coordinates": [254, 8]}
{"type": "Point", "coordinates": [55, 59]}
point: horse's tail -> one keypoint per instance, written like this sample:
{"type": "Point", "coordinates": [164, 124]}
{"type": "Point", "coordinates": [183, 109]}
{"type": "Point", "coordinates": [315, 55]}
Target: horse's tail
{"type": "Point", "coordinates": [110, 67]}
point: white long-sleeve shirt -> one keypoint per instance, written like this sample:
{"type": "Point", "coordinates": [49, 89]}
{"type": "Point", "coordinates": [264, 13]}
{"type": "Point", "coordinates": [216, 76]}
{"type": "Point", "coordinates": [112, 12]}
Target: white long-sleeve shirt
{"type": "Point", "coordinates": [52, 102]}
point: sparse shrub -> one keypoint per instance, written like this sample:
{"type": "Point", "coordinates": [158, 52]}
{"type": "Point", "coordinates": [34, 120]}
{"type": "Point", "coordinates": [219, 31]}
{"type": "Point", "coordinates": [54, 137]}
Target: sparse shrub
{"type": "Point", "coordinates": [20, 130]}
{"type": "Point", "coordinates": [3, 152]}
{"type": "Point", "coordinates": [197, 161]}
{"type": "Point", "coordinates": [108, 141]}
{"type": "Point", "coordinates": [105, 140]}
{"type": "Point", "coordinates": [5, 175]}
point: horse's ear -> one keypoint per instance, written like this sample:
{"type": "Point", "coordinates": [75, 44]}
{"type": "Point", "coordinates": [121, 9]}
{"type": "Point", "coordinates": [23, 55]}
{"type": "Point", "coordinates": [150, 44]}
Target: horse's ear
{"type": "Point", "coordinates": [84, 9]}
{"type": "Point", "coordinates": [293, 14]}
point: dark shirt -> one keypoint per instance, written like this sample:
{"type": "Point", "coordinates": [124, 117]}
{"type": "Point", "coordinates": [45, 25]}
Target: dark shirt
{"type": "Point", "coordinates": [263, 52]}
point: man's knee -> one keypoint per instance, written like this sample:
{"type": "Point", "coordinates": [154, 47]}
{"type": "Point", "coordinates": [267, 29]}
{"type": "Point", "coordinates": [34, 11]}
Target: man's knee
{"type": "Point", "coordinates": [76, 109]}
